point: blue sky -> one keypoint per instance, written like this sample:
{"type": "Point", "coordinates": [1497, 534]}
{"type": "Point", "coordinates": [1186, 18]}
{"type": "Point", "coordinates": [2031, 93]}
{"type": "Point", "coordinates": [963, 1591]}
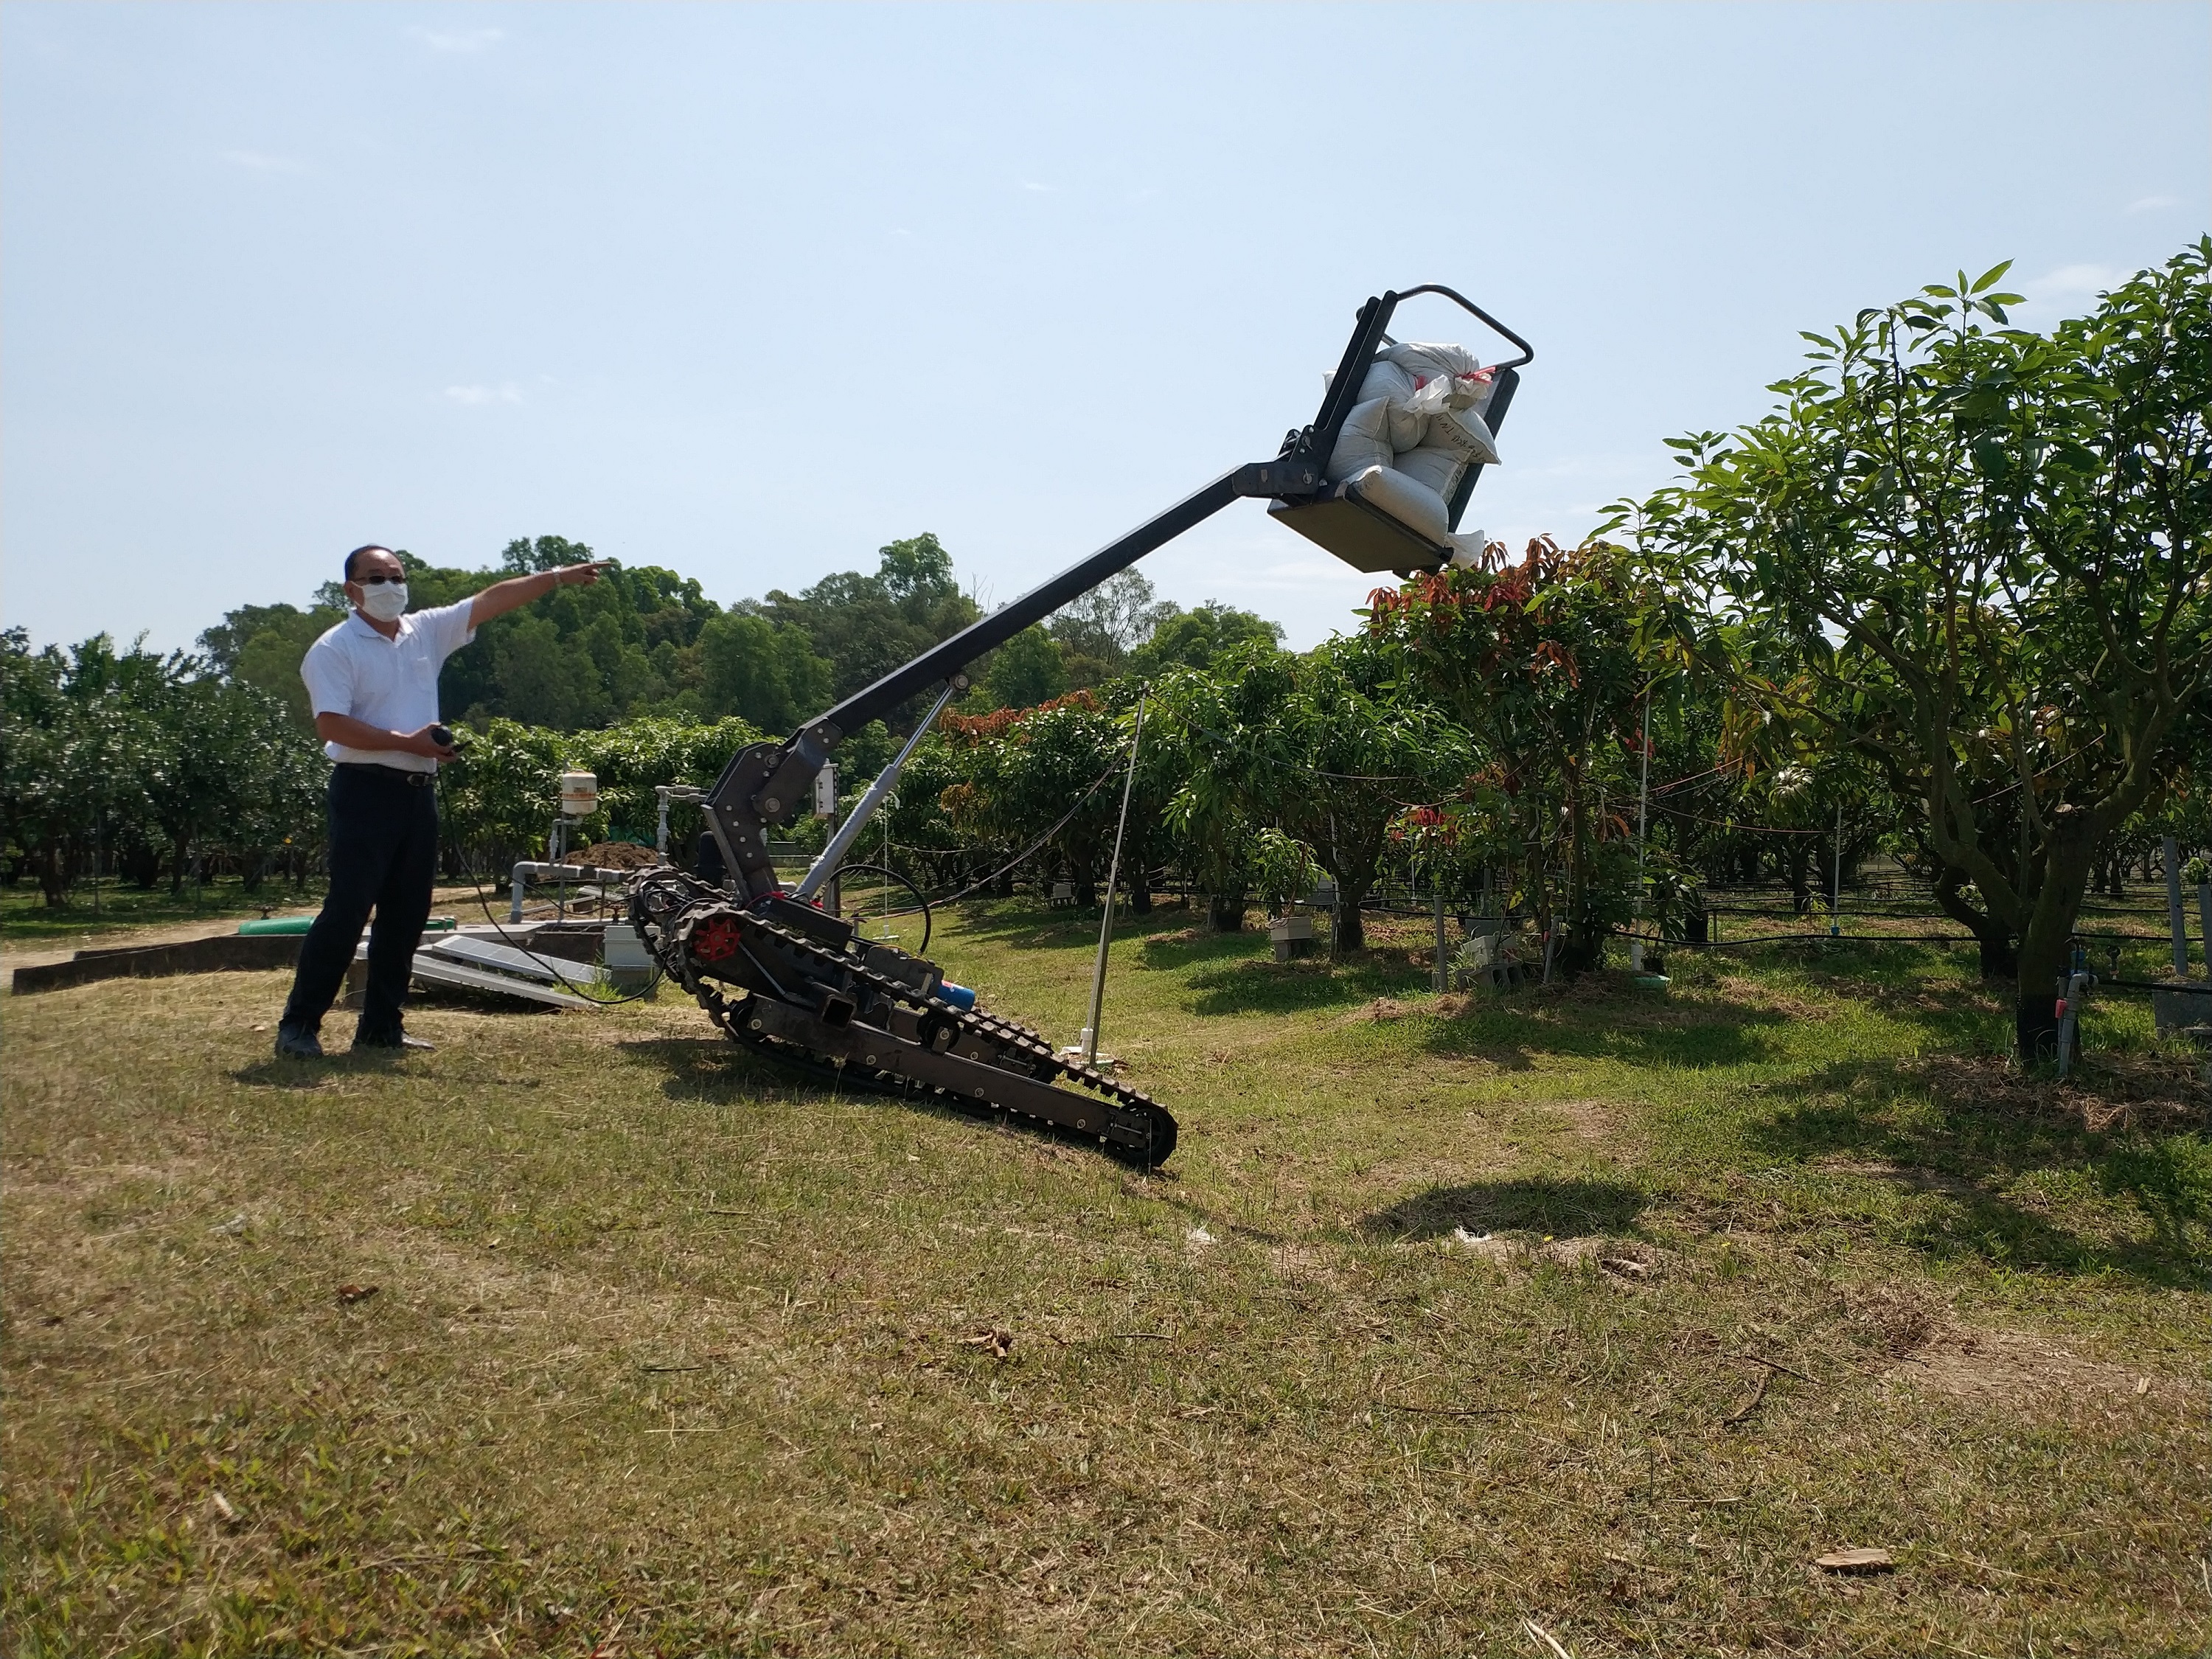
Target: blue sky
{"type": "Point", "coordinates": [749, 291]}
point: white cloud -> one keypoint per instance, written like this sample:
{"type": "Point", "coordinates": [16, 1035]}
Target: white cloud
{"type": "Point", "coordinates": [254, 161]}
{"type": "Point", "coordinates": [2069, 291]}
{"type": "Point", "coordinates": [458, 39]}
{"type": "Point", "coordinates": [474, 395]}
{"type": "Point", "coordinates": [2071, 281]}
{"type": "Point", "coordinates": [2153, 203]}
{"type": "Point", "coordinates": [1032, 184]}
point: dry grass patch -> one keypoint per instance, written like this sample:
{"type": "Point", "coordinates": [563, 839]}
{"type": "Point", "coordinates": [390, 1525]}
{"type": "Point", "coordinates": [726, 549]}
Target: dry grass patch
{"type": "Point", "coordinates": [668, 1356]}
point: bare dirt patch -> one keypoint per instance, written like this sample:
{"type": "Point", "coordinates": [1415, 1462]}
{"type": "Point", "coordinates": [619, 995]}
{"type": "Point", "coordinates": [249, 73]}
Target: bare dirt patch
{"type": "Point", "coordinates": [1913, 1175]}
{"type": "Point", "coordinates": [1752, 993]}
{"type": "Point", "coordinates": [1587, 1119]}
{"type": "Point", "coordinates": [1966, 1363]}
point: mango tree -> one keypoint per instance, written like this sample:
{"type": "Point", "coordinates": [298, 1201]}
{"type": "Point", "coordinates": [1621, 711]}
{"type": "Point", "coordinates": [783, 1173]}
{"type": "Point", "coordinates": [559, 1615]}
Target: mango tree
{"type": "Point", "coordinates": [1983, 551]}
{"type": "Point", "coordinates": [1311, 744]}
{"type": "Point", "coordinates": [1546, 664]}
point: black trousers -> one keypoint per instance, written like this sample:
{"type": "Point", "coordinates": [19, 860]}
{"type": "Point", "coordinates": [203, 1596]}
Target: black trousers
{"type": "Point", "coordinates": [383, 855]}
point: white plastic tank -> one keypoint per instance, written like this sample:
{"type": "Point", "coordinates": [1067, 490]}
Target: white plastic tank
{"type": "Point", "coordinates": [579, 794]}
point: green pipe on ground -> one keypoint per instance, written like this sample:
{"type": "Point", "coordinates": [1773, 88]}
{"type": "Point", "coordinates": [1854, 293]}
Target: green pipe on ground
{"type": "Point", "coordinates": [267, 924]}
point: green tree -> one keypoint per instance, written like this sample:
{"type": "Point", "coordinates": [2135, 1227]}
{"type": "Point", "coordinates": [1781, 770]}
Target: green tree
{"type": "Point", "coordinates": [763, 671]}
{"type": "Point", "coordinates": [1545, 663]}
{"type": "Point", "coordinates": [865, 625]}
{"type": "Point", "coordinates": [1981, 554]}
{"type": "Point", "coordinates": [1097, 631]}
{"type": "Point", "coordinates": [1026, 670]}
{"type": "Point", "coordinates": [262, 646]}
{"type": "Point", "coordinates": [1193, 638]}
{"type": "Point", "coordinates": [106, 749]}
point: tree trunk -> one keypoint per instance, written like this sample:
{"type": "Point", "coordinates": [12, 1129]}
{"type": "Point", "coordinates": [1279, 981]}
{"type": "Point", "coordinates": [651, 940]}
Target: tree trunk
{"type": "Point", "coordinates": [1141, 892]}
{"type": "Point", "coordinates": [1578, 951]}
{"type": "Point", "coordinates": [1999, 959]}
{"type": "Point", "coordinates": [54, 876]}
{"type": "Point", "coordinates": [1801, 890]}
{"type": "Point", "coordinates": [2044, 954]}
{"type": "Point", "coordinates": [181, 852]}
{"type": "Point", "coordinates": [1225, 911]}
{"type": "Point", "coordinates": [1349, 933]}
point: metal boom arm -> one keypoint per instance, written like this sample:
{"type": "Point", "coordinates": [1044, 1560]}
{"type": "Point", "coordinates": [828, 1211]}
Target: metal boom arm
{"type": "Point", "coordinates": [765, 783]}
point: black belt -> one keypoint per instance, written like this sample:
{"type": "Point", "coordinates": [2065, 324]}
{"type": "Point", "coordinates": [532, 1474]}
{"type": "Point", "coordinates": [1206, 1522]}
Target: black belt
{"type": "Point", "coordinates": [412, 780]}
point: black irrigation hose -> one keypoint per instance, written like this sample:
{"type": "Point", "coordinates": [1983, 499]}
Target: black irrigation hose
{"type": "Point", "coordinates": [1786, 938]}
{"type": "Point", "coordinates": [1020, 858]}
{"type": "Point", "coordinates": [921, 905]}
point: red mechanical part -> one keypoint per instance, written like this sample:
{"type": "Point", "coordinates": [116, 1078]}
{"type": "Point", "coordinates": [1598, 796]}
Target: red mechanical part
{"type": "Point", "coordinates": [716, 940]}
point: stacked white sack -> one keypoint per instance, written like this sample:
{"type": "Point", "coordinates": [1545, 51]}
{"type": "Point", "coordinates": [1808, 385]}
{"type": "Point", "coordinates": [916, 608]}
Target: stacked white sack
{"type": "Point", "coordinates": [1416, 429]}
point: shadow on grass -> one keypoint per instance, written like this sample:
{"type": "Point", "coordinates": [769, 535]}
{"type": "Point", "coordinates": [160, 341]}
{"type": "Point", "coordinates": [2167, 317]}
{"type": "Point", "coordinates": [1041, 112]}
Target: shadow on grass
{"type": "Point", "coordinates": [719, 1073]}
{"type": "Point", "coordinates": [305, 1074]}
{"type": "Point", "coordinates": [1025, 925]}
{"type": "Point", "coordinates": [1264, 986]}
{"type": "Point", "coordinates": [1561, 1209]}
{"type": "Point", "coordinates": [1629, 1027]}
{"type": "Point", "coordinates": [1954, 1132]}
{"type": "Point", "coordinates": [1941, 992]}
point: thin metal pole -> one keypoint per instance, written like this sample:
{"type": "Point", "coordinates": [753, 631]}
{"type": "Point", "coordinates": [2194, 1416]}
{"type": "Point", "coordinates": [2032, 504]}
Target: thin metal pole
{"type": "Point", "coordinates": [2172, 849]}
{"type": "Point", "coordinates": [886, 780]}
{"type": "Point", "coordinates": [2204, 920]}
{"type": "Point", "coordinates": [1112, 874]}
{"type": "Point", "coordinates": [1642, 818]}
{"type": "Point", "coordinates": [1835, 881]}
{"type": "Point", "coordinates": [1443, 976]}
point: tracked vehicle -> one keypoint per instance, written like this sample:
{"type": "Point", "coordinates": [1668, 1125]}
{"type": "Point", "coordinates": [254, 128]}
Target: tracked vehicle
{"type": "Point", "coordinates": [794, 982]}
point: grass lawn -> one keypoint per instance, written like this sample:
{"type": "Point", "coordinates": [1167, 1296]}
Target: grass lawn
{"type": "Point", "coordinates": [1597, 1308]}
{"type": "Point", "coordinates": [26, 919]}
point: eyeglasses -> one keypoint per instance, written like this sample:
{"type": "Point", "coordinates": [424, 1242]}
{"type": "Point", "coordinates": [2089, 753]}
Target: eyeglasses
{"type": "Point", "coordinates": [377, 582]}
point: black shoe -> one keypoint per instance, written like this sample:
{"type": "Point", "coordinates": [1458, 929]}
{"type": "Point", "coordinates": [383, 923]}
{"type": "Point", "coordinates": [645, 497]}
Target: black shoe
{"type": "Point", "coordinates": [293, 1043]}
{"type": "Point", "coordinates": [399, 1042]}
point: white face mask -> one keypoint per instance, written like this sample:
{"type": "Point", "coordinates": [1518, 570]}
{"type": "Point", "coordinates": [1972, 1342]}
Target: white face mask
{"type": "Point", "coordinates": [386, 601]}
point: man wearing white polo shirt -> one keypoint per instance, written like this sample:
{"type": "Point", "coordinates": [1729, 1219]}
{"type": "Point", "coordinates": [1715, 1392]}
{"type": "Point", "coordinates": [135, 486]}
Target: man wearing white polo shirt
{"type": "Point", "coordinates": [373, 683]}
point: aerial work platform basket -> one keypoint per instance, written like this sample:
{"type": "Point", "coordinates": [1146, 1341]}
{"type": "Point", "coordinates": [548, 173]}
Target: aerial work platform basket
{"type": "Point", "coordinates": [1352, 518]}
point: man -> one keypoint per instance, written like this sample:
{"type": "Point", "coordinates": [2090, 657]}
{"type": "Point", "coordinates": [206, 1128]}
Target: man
{"type": "Point", "coordinates": [373, 683]}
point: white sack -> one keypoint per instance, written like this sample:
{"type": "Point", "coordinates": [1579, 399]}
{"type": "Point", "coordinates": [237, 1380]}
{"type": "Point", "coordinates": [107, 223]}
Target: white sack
{"type": "Point", "coordinates": [1467, 548]}
{"type": "Point", "coordinates": [1365, 442]}
{"type": "Point", "coordinates": [1461, 431]}
{"type": "Point", "coordinates": [1432, 362]}
{"type": "Point", "coordinates": [1407, 499]}
{"type": "Point", "coordinates": [1387, 380]}
{"type": "Point", "coordinates": [1396, 387]}
{"type": "Point", "coordinates": [1389, 384]}
{"type": "Point", "coordinates": [1441, 469]}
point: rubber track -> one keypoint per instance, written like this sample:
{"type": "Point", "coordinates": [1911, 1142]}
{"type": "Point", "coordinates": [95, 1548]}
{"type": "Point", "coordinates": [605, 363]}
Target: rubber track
{"type": "Point", "coordinates": [1002, 1035]}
